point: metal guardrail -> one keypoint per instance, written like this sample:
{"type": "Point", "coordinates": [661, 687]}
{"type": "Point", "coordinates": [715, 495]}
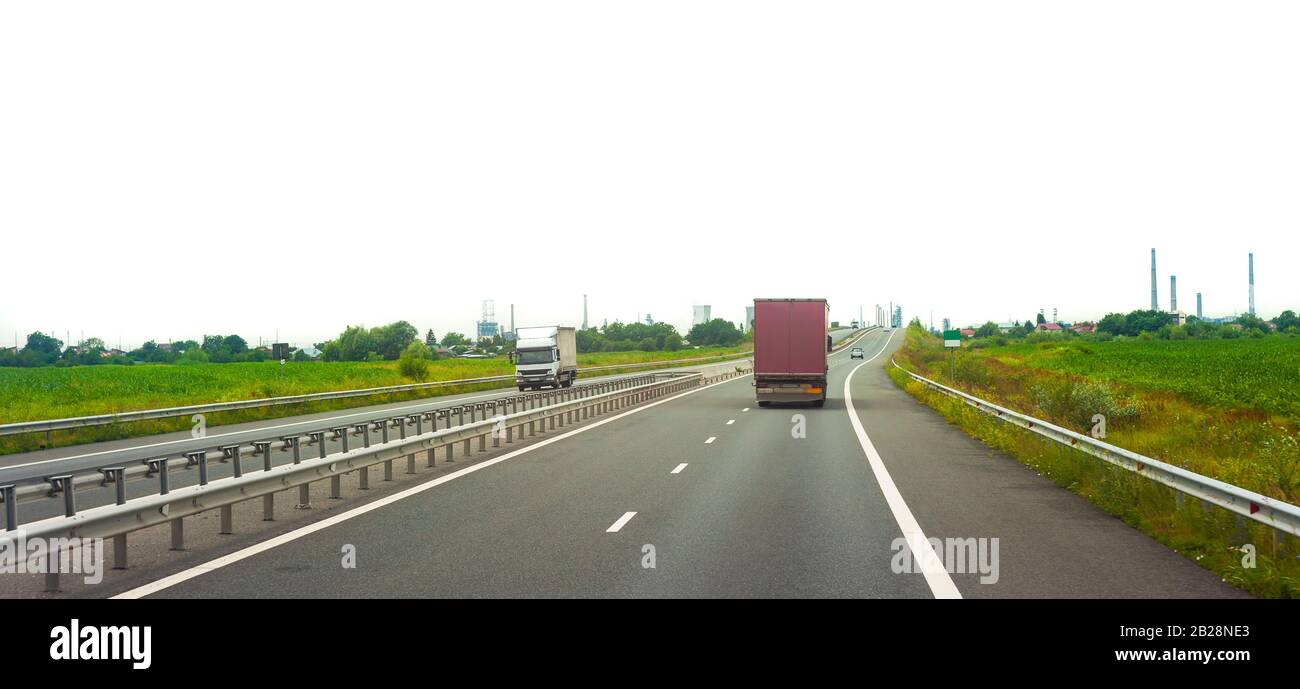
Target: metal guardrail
{"type": "Point", "coordinates": [173, 505]}
{"type": "Point", "coordinates": [1280, 515]}
{"type": "Point", "coordinates": [47, 425]}
{"type": "Point", "coordinates": [50, 485]}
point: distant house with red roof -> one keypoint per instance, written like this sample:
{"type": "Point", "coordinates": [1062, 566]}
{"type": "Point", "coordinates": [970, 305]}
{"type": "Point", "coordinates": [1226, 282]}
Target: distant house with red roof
{"type": "Point", "coordinates": [968, 332]}
{"type": "Point", "coordinates": [1050, 328]}
{"type": "Point", "coordinates": [1084, 328]}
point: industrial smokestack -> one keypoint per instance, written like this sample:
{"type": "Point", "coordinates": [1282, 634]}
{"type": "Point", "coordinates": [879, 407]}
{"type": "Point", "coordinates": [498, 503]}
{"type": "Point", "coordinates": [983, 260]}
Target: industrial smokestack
{"type": "Point", "coordinates": [512, 319]}
{"type": "Point", "coordinates": [1173, 293]}
{"type": "Point", "coordinates": [584, 312]}
{"type": "Point", "coordinates": [1250, 258]}
{"type": "Point", "coordinates": [1155, 305]}
{"type": "Point", "coordinates": [1198, 306]}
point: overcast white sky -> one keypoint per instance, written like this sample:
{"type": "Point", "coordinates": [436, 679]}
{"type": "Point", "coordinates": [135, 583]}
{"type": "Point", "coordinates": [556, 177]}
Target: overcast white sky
{"type": "Point", "coordinates": [169, 169]}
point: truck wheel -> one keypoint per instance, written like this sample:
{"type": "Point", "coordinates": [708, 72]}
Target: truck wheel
{"type": "Point", "coordinates": [819, 403]}
{"type": "Point", "coordinates": [522, 388]}
{"type": "Point", "coordinates": [764, 403]}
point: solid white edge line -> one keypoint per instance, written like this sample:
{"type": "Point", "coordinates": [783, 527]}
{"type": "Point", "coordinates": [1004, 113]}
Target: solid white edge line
{"type": "Point", "coordinates": [231, 558]}
{"type": "Point", "coordinates": [622, 521]}
{"type": "Point", "coordinates": [679, 468]}
{"type": "Point", "coordinates": [941, 584]}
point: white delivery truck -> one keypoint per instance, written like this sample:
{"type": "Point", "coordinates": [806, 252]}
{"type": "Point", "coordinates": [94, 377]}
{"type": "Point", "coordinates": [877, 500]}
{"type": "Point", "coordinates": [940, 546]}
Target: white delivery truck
{"type": "Point", "coordinates": [545, 356]}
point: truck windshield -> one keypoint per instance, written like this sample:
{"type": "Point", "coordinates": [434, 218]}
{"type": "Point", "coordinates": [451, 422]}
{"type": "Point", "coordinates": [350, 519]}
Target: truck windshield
{"type": "Point", "coordinates": [534, 356]}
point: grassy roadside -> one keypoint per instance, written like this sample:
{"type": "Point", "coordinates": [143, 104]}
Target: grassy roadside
{"type": "Point", "coordinates": [44, 393]}
{"type": "Point", "coordinates": [1232, 440]}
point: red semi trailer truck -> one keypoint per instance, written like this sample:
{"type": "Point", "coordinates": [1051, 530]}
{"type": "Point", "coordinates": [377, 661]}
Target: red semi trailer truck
{"type": "Point", "coordinates": [790, 347]}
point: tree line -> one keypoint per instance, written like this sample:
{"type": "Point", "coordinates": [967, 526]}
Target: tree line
{"type": "Point", "coordinates": [1148, 323]}
{"type": "Point", "coordinates": [358, 343]}
{"type": "Point", "coordinates": [656, 337]}
{"type": "Point", "coordinates": [44, 350]}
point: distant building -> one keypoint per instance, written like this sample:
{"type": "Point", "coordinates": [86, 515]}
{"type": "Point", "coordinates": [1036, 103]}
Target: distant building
{"type": "Point", "coordinates": [1005, 328]}
{"type": "Point", "coordinates": [310, 351]}
{"type": "Point", "coordinates": [1177, 317]}
{"type": "Point", "coordinates": [1084, 328]}
{"type": "Point", "coordinates": [487, 329]}
{"type": "Point", "coordinates": [968, 332]}
{"type": "Point", "coordinates": [701, 314]}
{"type": "Point", "coordinates": [1050, 328]}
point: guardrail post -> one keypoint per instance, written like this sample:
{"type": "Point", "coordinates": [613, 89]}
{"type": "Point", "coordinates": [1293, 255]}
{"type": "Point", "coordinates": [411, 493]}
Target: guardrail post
{"type": "Point", "coordinates": [115, 475]}
{"type": "Point", "coordinates": [178, 534]}
{"type": "Point", "coordinates": [231, 452]}
{"type": "Point", "coordinates": [340, 434]}
{"type": "Point", "coordinates": [164, 487]}
{"type": "Point", "coordinates": [53, 560]}
{"type": "Point", "coordinates": [268, 500]}
{"type": "Point", "coordinates": [304, 491]}
{"type": "Point", "coordinates": [199, 457]}
{"type": "Point", "coordinates": [159, 466]}
{"type": "Point", "coordinates": [53, 556]}
{"type": "Point", "coordinates": [11, 506]}
{"type": "Point", "coordinates": [363, 474]}
{"type": "Point", "coordinates": [63, 483]}
{"type": "Point", "coordinates": [388, 464]}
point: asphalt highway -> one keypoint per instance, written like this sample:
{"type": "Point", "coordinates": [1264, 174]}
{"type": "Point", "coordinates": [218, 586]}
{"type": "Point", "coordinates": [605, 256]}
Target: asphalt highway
{"type": "Point", "coordinates": [704, 494]}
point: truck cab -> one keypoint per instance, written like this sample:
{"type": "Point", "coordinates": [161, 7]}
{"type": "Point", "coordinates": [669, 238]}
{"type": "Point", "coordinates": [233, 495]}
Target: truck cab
{"type": "Point", "coordinates": [545, 357]}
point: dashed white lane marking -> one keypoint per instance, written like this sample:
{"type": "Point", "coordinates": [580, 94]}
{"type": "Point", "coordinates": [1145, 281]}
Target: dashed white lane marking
{"type": "Point", "coordinates": [627, 517]}
{"type": "Point", "coordinates": [941, 584]}
{"type": "Point", "coordinates": [711, 439]}
{"type": "Point", "coordinates": [745, 409]}
{"type": "Point", "coordinates": [250, 551]}
{"type": "Point", "coordinates": [730, 421]}
{"type": "Point", "coordinates": [679, 468]}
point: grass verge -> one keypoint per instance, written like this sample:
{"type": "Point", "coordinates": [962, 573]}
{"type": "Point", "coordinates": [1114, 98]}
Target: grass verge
{"type": "Point", "coordinates": [96, 391]}
{"type": "Point", "coordinates": [1212, 537]}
